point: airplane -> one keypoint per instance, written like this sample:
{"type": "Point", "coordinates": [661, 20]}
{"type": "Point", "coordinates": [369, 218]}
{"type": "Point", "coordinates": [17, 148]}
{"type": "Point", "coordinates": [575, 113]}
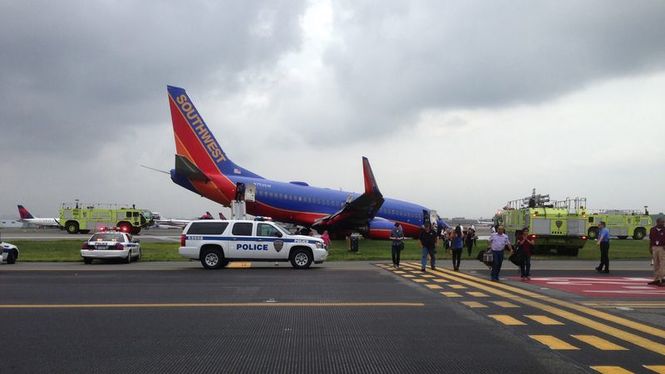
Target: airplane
{"type": "Point", "coordinates": [26, 217]}
{"type": "Point", "coordinates": [202, 167]}
{"type": "Point", "coordinates": [180, 223]}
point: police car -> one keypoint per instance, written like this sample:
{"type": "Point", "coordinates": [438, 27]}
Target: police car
{"type": "Point", "coordinates": [8, 253]}
{"type": "Point", "coordinates": [217, 242]}
{"type": "Point", "coordinates": [111, 244]}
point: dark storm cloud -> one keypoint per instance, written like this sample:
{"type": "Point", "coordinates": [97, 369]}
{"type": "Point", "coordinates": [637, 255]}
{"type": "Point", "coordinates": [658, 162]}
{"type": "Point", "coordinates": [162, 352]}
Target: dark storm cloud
{"type": "Point", "coordinates": [71, 70]}
{"type": "Point", "coordinates": [396, 59]}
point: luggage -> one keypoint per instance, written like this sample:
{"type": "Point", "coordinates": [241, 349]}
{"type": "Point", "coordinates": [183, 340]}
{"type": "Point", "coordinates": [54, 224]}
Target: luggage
{"type": "Point", "coordinates": [486, 257]}
{"type": "Point", "coordinates": [517, 258]}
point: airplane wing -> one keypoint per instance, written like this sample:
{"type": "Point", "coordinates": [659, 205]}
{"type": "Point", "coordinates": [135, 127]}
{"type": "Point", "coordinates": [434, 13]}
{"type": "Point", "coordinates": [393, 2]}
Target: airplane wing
{"type": "Point", "coordinates": [359, 211]}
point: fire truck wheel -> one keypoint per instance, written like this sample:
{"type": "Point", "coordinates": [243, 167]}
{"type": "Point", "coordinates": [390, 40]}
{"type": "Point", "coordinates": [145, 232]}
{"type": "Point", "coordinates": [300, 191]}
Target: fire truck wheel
{"type": "Point", "coordinates": [72, 227]}
{"type": "Point", "coordinates": [593, 233]}
{"type": "Point", "coordinates": [639, 233]}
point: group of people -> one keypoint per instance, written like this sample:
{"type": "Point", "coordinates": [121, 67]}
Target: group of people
{"type": "Point", "coordinates": [457, 239]}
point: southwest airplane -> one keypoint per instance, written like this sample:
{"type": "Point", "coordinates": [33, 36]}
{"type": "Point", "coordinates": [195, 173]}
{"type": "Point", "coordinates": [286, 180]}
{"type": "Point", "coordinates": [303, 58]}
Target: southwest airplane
{"type": "Point", "coordinates": [202, 167]}
{"type": "Point", "coordinates": [29, 218]}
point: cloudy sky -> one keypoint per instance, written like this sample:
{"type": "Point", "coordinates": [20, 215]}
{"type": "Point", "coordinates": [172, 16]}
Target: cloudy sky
{"type": "Point", "coordinates": [459, 105]}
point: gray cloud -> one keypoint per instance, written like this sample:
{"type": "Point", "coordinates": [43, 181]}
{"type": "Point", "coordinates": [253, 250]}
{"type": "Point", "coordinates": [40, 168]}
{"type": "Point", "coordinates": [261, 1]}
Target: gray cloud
{"type": "Point", "coordinates": [396, 59]}
{"type": "Point", "coordinates": [73, 69]}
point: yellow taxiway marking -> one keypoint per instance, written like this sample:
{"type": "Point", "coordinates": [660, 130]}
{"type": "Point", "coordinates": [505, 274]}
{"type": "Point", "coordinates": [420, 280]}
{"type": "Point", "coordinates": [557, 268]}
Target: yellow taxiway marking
{"type": "Point", "coordinates": [408, 276]}
{"type": "Point", "coordinates": [611, 370]}
{"type": "Point", "coordinates": [433, 286]}
{"type": "Point", "coordinates": [419, 280]}
{"type": "Point", "coordinates": [553, 343]}
{"type": "Point", "coordinates": [439, 280]}
{"type": "Point", "coordinates": [507, 320]}
{"type": "Point", "coordinates": [660, 369]}
{"type": "Point", "coordinates": [427, 276]}
{"type": "Point", "coordinates": [505, 304]}
{"type": "Point", "coordinates": [399, 272]}
{"type": "Point", "coordinates": [239, 265]}
{"type": "Point", "coordinates": [543, 320]}
{"type": "Point", "coordinates": [499, 289]}
{"type": "Point", "coordinates": [206, 305]}
{"type": "Point", "coordinates": [450, 294]}
{"type": "Point", "coordinates": [457, 286]}
{"type": "Point", "coordinates": [477, 294]}
{"type": "Point", "coordinates": [474, 304]}
{"type": "Point", "coordinates": [599, 343]}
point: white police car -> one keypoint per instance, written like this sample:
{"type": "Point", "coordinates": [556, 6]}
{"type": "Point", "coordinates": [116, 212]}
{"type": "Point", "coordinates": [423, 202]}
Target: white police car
{"type": "Point", "coordinates": [8, 253]}
{"type": "Point", "coordinates": [217, 242]}
{"type": "Point", "coordinates": [111, 245]}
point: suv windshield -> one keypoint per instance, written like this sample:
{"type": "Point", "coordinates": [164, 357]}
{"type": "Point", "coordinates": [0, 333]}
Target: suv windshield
{"type": "Point", "coordinates": [107, 237]}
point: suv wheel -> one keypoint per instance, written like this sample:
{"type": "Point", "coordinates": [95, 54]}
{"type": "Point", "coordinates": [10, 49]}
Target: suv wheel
{"type": "Point", "coordinates": [212, 258]}
{"type": "Point", "coordinates": [11, 257]}
{"type": "Point", "coordinates": [301, 259]}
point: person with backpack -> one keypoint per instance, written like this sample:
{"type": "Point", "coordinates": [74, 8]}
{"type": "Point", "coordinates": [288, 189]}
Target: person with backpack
{"type": "Point", "coordinates": [397, 236]}
{"type": "Point", "coordinates": [470, 239]}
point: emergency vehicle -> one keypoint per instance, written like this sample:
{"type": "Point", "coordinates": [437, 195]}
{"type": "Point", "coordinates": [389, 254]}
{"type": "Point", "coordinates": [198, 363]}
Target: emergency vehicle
{"type": "Point", "coordinates": [111, 244]}
{"type": "Point", "coordinates": [557, 225]}
{"type": "Point", "coordinates": [83, 218]}
{"type": "Point", "coordinates": [217, 242]}
{"type": "Point", "coordinates": [8, 253]}
{"type": "Point", "coordinates": [621, 223]}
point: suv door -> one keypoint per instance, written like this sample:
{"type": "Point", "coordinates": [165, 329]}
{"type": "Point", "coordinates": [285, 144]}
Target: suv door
{"type": "Point", "coordinates": [271, 236]}
{"type": "Point", "coordinates": [244, 245]}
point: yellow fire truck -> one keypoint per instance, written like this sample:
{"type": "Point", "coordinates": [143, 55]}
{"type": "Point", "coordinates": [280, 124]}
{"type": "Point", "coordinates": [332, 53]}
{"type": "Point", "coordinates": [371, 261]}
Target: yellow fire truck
{"type": "Point", "coordinates": [556, 225]}
{"type": "Point", "coordinates": [80, 217]}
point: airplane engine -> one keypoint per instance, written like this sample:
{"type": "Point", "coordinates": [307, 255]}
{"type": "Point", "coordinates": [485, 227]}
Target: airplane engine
{"type": "Point", "coordinates": [380, 228]}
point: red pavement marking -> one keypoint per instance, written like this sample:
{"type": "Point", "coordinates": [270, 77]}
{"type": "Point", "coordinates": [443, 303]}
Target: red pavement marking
{"type": "Point", "coordinates": [602, 286]}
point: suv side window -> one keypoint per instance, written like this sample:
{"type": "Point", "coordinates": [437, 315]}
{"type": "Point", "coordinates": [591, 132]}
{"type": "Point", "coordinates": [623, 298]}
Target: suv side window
{"type": "Point", "coordinates": [265, 229]}
{"type": "Point", "coordinates": [207, 228]}
{"type": "Point", "coordinates": [242, 229]}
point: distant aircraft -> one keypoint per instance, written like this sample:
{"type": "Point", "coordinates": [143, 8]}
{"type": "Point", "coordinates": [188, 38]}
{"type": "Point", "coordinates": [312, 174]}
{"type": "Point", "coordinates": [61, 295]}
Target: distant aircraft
{"type": "Point", "coordinates": [26, 217]}
{"type": "Point", "coordinates": [174, 222]}
{"type": "Point", "coordinates": [202, 167]}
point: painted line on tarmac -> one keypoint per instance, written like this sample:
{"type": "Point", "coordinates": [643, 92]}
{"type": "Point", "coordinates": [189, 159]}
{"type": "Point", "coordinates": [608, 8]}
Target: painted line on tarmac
{"type": "Point", "coordinates": [494, 288]}
{"type": "Point", "coordinates": [580, 308]}
{"type": "Point", "coordinates": [212, 305]}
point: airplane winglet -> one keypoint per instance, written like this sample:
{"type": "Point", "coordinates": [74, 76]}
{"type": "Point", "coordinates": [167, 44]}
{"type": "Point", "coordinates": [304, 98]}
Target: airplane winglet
{"type": "Point", "coordinates": [370, 182]}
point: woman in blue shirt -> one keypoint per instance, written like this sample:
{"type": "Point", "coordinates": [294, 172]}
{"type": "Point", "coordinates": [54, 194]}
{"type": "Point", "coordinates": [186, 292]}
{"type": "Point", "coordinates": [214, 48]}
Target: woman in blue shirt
{"type": "Point", "coordinates": [457, 245]}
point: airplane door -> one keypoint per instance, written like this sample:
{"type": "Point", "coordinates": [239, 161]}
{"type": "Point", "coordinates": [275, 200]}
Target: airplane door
{"type": "Point", "coordinates": [250, 192]}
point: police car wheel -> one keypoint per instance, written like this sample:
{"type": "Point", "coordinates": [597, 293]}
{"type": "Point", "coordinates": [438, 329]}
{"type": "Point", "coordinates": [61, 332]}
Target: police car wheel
{"type": "Point", "coordinates": [11, 257]}
{"type": "Point", "coordinates": [138, 258]}
{"type": "Point", "coordinates": [87, 260]}
{"type": "Point", "coordinates": [212, 259]}
{"type": "Point", "coordinates": [301, 259]}
{"type": "Point", "coordinates": [129, 257]}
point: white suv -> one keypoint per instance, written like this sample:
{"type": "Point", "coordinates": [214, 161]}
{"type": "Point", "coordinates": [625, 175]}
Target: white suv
{"type": "Point", "coordinates": [217, 242]}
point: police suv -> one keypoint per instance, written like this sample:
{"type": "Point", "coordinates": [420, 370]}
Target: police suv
{"type": "Point", "coordinates": [217, 242]}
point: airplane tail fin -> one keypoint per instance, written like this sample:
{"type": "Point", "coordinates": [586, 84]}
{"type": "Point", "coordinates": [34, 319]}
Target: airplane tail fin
{"type": "Point", "coordinates": [370, 182]}
{"type": "Point", "coordinates": [195, 142]}
{"type": "Point", "coordinates": [23, 213]}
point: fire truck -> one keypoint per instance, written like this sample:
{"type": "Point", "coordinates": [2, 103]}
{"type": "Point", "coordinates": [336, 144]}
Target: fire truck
{"type": "Point", "coordinates": [621, 223]}
{"type": "Point", "coordinates": [555, 225]}
{"type": "Point", "coordinates": [83, 218]}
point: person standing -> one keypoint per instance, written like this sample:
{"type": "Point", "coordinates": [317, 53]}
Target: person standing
{"type": "Point", "coordinates": [657, 249]}
{"type": "Point", "coordinates": [470, 239]}
{"type": "Point", "coordinates": [498, 242]}
{"type": "Point", "coordinates": [397, 236]}
{"type": "Point", "coordinates": [525, 246]}
{"type": "Point", "coordinates": [326, 238]}
{"type": "Point", "coordinates": [428, 242]}
{"type": "Point", "coordinates": [603, 241]}
{"type": "Point", "coordinates": [457, 246]}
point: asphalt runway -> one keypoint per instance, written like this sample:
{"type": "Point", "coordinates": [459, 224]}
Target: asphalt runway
{"type": "Point", "coordinates": [339, 317]}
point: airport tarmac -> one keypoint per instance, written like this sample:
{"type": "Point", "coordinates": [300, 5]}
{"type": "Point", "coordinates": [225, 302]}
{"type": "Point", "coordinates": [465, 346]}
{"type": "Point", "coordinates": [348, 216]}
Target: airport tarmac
{"type": "Point", "coordinates": [337, 317]}
{"type": "Point", "coordinates": [154, 235]}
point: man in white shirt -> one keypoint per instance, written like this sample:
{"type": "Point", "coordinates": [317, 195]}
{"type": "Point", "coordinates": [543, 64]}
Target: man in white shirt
{"type": "Point", "coordinates": [498, 242]}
